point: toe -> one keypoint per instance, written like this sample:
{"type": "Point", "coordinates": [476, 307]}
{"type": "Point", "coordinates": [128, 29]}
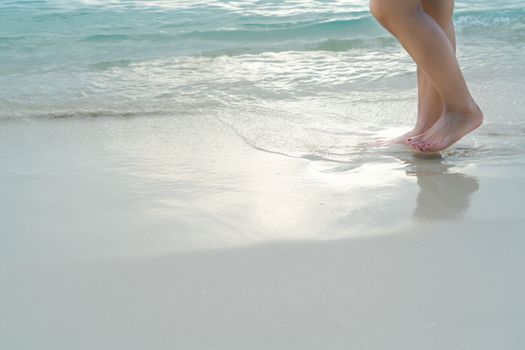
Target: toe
{"type": "Point", "coordinates": [432, 147]}
{"type": "Point", "coordinates": [418, 144]}
{"type": "Point", "coordinates": [415, 138]}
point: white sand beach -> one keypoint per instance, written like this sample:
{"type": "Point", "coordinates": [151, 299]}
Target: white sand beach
{"type": "Point", "coordinates": [166, 233]}
{"type": "Point", "coordinates": [206, 175]}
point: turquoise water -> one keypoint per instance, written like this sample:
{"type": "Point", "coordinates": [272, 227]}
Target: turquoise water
{"type": "Point", "coordinates": [269, 69]}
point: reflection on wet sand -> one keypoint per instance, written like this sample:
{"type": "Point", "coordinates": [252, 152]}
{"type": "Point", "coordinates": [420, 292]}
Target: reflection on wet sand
{"type": "Point", "coordinates": [443, 195]}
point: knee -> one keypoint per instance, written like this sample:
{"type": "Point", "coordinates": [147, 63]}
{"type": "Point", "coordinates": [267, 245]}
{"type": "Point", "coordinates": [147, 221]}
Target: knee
{"type": "Point", "coordinates": [440, 10]}
{"type": "Point", "coordinates": [381, 10]}
{"type": "Point", "coordinates": [389, 11]}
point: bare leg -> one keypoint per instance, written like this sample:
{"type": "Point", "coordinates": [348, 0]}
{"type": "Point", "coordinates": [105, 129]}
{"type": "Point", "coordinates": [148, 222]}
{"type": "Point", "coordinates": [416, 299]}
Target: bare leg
{"type": "Point", "coordinates": [430, 47]}
{"type": "Point", "coordinates": [430, 104]}
{"type": "Point", "coordinates": [429, 108]}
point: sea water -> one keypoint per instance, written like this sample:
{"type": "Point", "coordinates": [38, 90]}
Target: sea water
{"type": "Point", "coordinates": [301, 78]}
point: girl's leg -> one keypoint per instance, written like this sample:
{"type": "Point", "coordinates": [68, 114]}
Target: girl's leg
{"type": "Point", "coordinates": [432, 50]}
{"type": "Point", "coordinates": [430, 105]}
{"type": "Point", "coordinates": [429, 108]}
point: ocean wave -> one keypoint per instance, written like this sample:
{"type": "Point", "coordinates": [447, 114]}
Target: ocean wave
{"type": "Point", "coordinates": [82, 113]}
{"type": "Point", "coordinates": [12, 39]}
{"type": "Point", "coordinates": [470, 21]}
{"type": "Point", "coordinates": [362, 26]}
{"type": "Point", "coordinates": [352, 31]}
{"type": "Point", "coordinates": [128, 37]}
{"type": "Point", "coordinates": [103, 65]}
{"type": "Point", "coordinates": [344, 45]}
{"type": "Point", "coordinates": [330, 45]}
{"type": "Point", "coordinates": [206, 30]}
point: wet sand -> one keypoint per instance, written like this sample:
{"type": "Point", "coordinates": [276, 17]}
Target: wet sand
{"type": "Point", "coordinates": [172, 233]}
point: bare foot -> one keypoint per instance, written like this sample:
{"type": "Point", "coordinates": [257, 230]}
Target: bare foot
{"type": "Point", "coordinates": [449, 129]}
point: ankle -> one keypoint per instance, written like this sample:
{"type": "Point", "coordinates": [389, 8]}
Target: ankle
{"type": "Point", "coordinates": [467, 108]}
{"type": "Point", "coordinates": [423, 126]}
